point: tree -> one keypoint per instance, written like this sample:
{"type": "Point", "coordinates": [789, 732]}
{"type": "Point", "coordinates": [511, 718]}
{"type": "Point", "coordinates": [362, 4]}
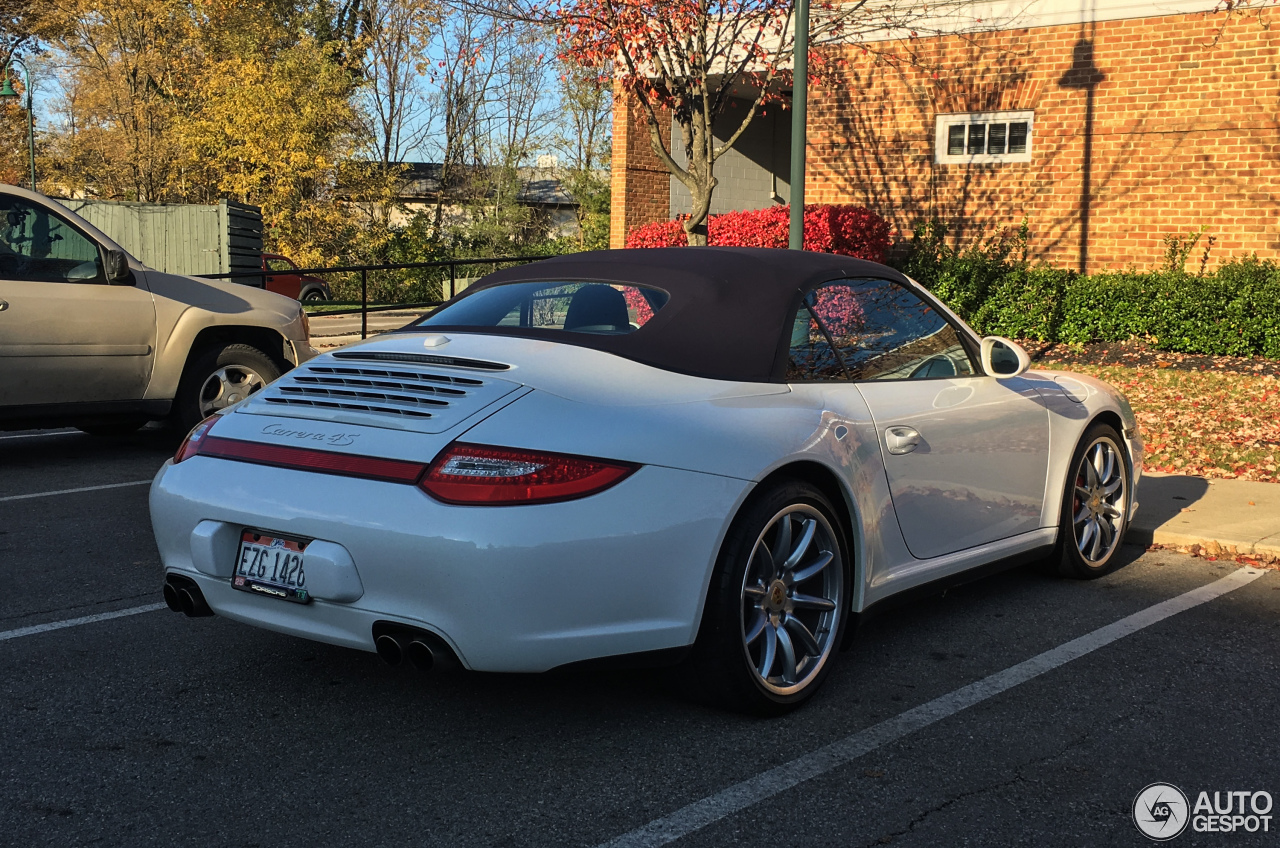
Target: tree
{"type": "Point", "coordinates": [689, 60]}
{"type": "Point", "coordinates": [17, 33]}
{"type": "Point", "coordinates": [463, 65]}
{"type": "Point", "coordinates": [395, 35]}
{"type": "Point", "coordinates": [584, 142]}
{"type": "Point", "coordinates": [127, 64]}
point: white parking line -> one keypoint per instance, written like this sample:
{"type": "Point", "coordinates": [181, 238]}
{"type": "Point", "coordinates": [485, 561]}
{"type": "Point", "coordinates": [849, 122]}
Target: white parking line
{"type": "Point", "coordinates": [73, 491]}
{"type": "Point", "coordinates": [778, 780]}
{"type": "Point", "coordinates": [40, 435]}
{"type": "Point", "coordinates": [76, 622]}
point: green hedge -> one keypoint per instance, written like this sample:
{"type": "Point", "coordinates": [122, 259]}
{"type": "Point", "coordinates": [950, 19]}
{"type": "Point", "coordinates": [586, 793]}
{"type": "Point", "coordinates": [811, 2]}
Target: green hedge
{"type": "Point", "coordinates": [1234, 311]}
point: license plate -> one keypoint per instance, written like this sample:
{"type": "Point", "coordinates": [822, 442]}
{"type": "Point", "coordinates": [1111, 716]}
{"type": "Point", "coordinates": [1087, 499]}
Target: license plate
{"type": "Point", "coordinates": [271, 565]}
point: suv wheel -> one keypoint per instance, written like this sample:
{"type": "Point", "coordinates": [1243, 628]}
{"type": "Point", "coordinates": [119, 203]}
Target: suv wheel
{"type": "Point", "coordinates": [219, 377]}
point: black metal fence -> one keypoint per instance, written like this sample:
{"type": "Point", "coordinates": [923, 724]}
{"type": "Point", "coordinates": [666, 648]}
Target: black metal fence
{"type": "Point", "coordinates": [362, 272]}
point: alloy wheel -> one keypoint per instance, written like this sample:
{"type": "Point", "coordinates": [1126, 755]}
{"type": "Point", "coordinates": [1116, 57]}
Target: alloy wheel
{"type": "Point", "coordinates": [227, 385]}
{"type": "Point", "coordinates": [1098, 505]}
{"type": "Point", "coordinates": [792, 599]}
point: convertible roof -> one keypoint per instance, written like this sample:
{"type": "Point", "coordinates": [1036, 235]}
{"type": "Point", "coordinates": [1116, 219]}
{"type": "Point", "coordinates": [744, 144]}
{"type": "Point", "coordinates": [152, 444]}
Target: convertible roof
{"type": "Point", "coordinates": [730, 309]}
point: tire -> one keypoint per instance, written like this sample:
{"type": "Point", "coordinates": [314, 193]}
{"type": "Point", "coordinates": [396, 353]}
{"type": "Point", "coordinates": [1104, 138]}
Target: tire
{"type": "Point", "coordinates": [219, 377]}
{"type": "Point", "coordinates": [107, 429]}
{"type": "Point", "coordinates": [314, 296]}
{"type": "Point", "coordinates": [1095, 506]}
{"type": "Point", "coordinates": [738, 660]}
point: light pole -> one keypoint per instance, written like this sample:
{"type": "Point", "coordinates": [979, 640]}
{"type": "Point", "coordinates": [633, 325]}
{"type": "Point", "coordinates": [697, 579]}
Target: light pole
{"type": "Point", "coordinates": [799, 115]}
{"type": "Point", "coordinates": [6, 91]}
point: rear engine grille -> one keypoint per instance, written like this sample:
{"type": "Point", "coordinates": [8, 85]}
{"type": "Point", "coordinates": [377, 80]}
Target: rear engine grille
{"type": "Point", "coordinates": [404, 393]}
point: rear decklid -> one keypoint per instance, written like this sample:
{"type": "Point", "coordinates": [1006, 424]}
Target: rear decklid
{"type": "Point", "coordinates": [407, 396]}
{"type": "Point", "coordinates": [375, 402]}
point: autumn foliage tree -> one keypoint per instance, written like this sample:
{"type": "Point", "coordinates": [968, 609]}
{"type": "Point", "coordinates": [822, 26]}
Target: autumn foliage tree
{"type": "Point", "coordinates": [692, 61]}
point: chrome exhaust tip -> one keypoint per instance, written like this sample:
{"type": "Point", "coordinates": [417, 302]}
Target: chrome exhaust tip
{"type": "Point", "coordinates": [420, 655]}
{"type": "Point", "coordinates": [389, 649]}
{"type": "Point", "coordinates": [171, 599]}
{"type": "Point", "coordinates": [181, 594]}
{"type": "Point", "coordinates": [401, 644]}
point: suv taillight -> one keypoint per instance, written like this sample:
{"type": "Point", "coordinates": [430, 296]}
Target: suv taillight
{"type": "Point", "coordinates": [483, 475]}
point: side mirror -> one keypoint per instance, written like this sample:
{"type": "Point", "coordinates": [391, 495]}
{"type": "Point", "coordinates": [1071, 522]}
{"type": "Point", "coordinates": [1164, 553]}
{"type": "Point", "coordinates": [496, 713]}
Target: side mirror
{"type": "Point", "coordinates": [118, 273]}
{"type": "Point", "coordinates": [1002, 358]}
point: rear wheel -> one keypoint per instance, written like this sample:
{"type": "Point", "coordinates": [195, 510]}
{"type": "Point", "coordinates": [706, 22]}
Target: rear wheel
{"type": "Point", "coordinates": [776, 608]}
{"type": "Point", "coordinates": [1095, 506]}
{"type": "Point", "coordinates": [314, 296]}
{"type": "Point", "coordinates": [219, 377]}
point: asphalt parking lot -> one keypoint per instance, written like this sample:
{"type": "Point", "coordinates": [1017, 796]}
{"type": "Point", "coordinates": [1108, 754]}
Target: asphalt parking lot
{"type": "Point", "coordinates": [956, 719]}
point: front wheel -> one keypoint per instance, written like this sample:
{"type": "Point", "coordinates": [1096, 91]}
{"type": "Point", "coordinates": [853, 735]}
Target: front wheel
{"type": "Point", "coordinates": [219, 377]}
{"type": "Point", "coordinates": [777, 604]}
{"type": "Point", "coordinates": [1095, 506]}
{"type": "Point", "coordinates": [314, 296]}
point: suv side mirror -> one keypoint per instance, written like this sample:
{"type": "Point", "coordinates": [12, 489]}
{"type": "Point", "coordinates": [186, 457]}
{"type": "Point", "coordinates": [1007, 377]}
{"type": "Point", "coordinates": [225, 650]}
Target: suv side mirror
{"type": "Point", "coordinates": [118, 273]}
{"type": "Point", "coordinates": [1002, 358]}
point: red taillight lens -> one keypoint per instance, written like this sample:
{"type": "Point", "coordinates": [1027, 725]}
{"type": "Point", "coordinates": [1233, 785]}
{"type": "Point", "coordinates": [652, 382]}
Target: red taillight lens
{"type": "Point", "coordinates": [191, 444]}
{"type": "Point", "coordinates": [492, 476]}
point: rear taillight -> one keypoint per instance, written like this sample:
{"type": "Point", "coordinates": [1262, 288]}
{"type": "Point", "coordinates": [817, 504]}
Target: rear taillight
{"type": "Point", "coordinates": [191, 444]}
{"type": "Point", "coordinates": [491, 476]}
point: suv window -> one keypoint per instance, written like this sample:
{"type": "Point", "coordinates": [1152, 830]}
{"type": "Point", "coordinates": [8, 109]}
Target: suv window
{"type": "Point", "coordinates": [880, 331]}
{"type": "Point", "coordinates": [38, 246]}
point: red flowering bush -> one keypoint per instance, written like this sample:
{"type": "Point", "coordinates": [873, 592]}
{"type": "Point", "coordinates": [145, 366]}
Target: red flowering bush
{"type": "Point", "coordinates": [657, 234]}
{"type": "Point", "coordinates": [845, 229]}
{"type": "Point", "coordinates": [839, 309]}
{"type": "Point", "coordinates": [637, 305]}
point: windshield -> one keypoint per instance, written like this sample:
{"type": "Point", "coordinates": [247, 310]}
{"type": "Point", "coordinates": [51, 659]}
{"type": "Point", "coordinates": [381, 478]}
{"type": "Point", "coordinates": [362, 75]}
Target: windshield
{"type": "Point", "coordinates": [575, 307]}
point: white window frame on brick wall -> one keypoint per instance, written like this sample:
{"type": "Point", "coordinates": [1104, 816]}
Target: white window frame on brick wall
{"type": "Point", "coordinates": [942, 136]}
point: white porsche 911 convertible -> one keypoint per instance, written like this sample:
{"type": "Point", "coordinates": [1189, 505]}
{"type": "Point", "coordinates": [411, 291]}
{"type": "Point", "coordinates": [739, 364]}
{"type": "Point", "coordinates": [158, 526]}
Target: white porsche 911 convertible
{"type": "Point", "coordinates": [714, 456]}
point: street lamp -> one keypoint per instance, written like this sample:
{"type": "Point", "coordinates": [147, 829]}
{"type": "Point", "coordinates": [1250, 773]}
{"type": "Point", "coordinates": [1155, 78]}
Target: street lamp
{"type": "Point", "coordinates": [799, 116]}
{"type": "Point", "coordinates": [7, 91]}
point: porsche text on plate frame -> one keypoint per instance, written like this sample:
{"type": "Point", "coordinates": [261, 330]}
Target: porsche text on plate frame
{"type": "Point", "coordinates": [713, 456]}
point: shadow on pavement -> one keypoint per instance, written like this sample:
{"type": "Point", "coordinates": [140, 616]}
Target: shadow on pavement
{"type": "Point", "coordinates": [1161, 500]}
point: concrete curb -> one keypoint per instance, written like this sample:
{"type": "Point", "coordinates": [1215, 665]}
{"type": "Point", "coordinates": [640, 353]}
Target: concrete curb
{"type": "Point", "coordinates": [1221, 516]}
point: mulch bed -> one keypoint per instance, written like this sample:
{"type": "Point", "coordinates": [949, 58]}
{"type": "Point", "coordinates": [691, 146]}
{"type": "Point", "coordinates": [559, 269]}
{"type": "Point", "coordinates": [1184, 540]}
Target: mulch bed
{"type": "Point", "coordinates": [1136, 353]}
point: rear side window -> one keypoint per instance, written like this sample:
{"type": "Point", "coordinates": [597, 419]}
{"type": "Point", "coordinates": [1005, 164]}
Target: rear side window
{"type": "Point", "coordinates": [573, 307]}
{"type": "Point", "coordinates": [811, 355]}
{"type": "Point", "coordinates": [880, 330]}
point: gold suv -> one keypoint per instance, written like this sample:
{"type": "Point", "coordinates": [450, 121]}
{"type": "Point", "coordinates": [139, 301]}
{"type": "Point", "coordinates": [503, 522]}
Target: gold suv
{"type": "Point", "coordinates": [90, 337]}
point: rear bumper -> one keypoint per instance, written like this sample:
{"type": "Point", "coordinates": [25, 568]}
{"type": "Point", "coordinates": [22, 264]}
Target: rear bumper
{"type": "Point", "coordinates": [509, 588]}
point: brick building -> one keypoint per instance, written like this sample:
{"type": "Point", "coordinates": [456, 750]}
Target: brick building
{"type": "Point", "coordinates": [1107, 127]}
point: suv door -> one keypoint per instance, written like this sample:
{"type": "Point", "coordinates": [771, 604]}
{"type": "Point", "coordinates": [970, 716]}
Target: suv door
{"type": "Point", "coordinates": [66, 336]}
{"type": "Point", "coordinates": [966, 455]}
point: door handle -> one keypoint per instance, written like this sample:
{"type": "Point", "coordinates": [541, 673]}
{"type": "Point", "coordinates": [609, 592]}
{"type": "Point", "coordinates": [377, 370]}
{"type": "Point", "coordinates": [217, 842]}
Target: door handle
{"type": "Point", "coordinates": [4, 304]}
{"type": "Point", "coordinates": [901, 440]}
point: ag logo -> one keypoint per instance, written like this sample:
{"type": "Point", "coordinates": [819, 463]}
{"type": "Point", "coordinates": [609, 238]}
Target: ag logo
{"type": "Point", "coordinates": [1160, 811]}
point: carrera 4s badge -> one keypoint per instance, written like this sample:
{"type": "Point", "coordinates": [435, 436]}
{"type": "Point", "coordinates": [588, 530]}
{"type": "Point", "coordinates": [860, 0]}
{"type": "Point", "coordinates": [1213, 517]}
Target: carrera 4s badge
{"type": "Point", "coordinates": [337, 440]}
